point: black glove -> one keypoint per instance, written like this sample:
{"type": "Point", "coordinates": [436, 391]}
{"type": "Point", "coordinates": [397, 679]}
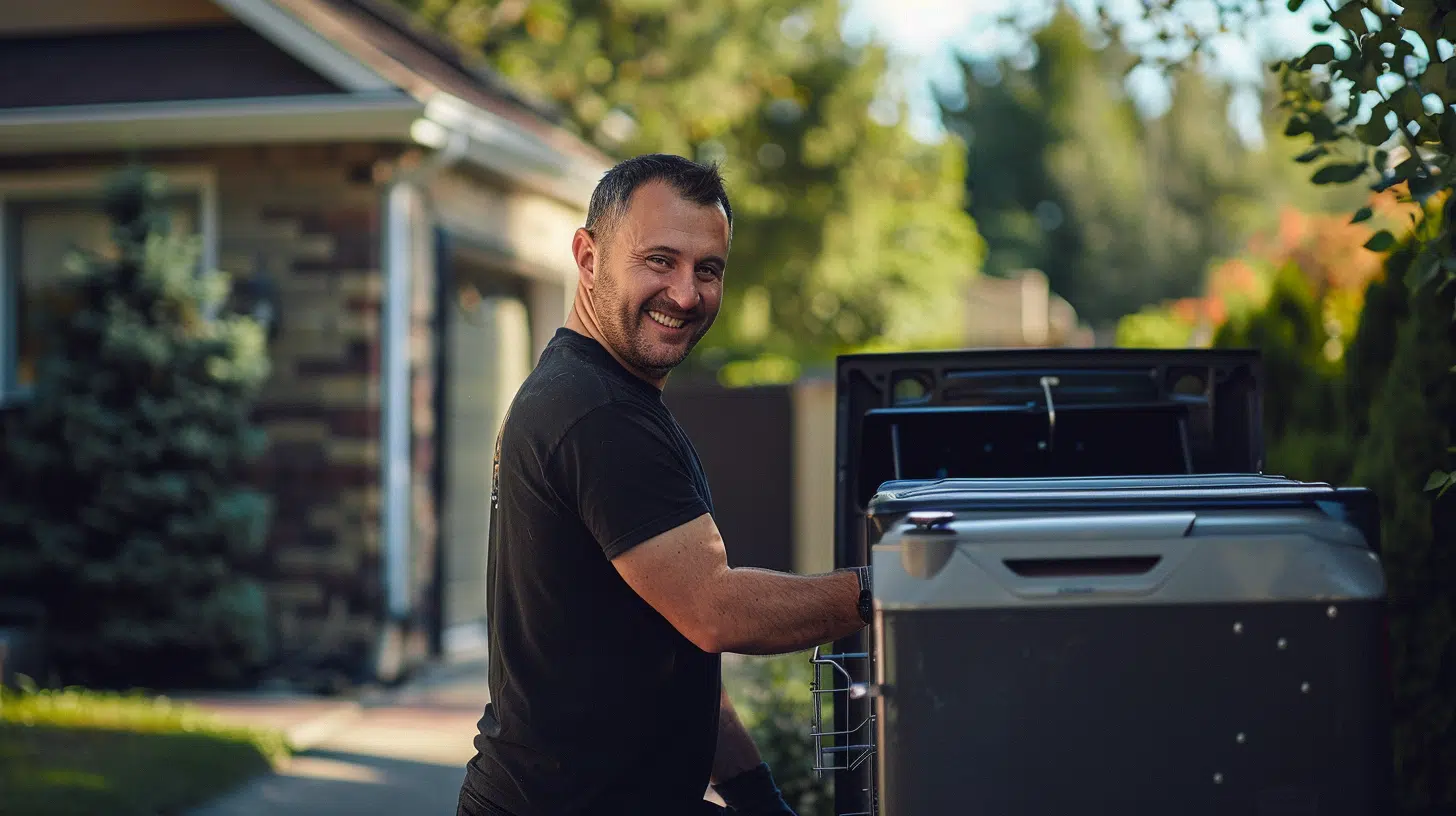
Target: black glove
{"type": "Point", "coordinates": [754, 793]}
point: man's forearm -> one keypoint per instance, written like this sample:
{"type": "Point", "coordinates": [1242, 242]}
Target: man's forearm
{"type": "Point", "coordinates": [762, 612]}
{"type": "Point", "coordinates": [736, 751]}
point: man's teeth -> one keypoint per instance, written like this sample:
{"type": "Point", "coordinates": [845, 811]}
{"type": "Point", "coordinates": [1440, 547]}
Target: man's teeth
{"type": "Point", "coordinates": [670, 322]}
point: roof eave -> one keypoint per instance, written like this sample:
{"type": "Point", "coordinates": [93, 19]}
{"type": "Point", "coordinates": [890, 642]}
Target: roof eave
{"type": "Point", "coordinates": [496, 145]}
{"type": "Point", "coordinates": [492, 143]}
{"type": "Point", "coordinates": [137, 125]}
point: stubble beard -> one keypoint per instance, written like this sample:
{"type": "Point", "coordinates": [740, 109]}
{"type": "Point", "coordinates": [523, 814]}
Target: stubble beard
{"type": "Point", "coordinates": [623, 327]}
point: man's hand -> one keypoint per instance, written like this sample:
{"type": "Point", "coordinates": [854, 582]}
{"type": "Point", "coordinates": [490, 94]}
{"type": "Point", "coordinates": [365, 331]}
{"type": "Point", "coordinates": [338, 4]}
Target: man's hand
{"type": "Point", "coordinates": [684, 575]}
{"type": "Point", "coordinates": [754, 793]}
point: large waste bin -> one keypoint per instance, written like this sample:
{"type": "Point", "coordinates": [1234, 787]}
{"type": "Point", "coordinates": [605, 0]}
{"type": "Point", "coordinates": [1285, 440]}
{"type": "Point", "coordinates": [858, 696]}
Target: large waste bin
{"type": "Point", "coordinates": [1124, 615]}
{"type": "Point", "coordinates": [1138, 646]}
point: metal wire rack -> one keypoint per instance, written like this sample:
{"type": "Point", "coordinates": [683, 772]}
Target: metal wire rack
{"type": "Point", "coordinates": [853, 747]}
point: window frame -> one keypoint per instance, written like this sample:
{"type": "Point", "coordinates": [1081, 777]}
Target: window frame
{"type": "Point", "coordinates": [47, 186]}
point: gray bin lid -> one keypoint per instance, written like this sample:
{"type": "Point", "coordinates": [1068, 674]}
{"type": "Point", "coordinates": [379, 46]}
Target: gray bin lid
{"type": "Point", "coordinates": [964, 544]}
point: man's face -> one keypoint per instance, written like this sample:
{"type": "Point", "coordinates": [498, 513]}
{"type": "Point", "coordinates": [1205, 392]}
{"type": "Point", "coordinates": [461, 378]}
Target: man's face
{"type": "Point", "coordinates": [659, 278]}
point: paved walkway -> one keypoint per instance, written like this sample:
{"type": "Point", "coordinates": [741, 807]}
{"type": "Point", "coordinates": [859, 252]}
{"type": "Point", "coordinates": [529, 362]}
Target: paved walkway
{"type": "Point", "coordinates": [397, 752]}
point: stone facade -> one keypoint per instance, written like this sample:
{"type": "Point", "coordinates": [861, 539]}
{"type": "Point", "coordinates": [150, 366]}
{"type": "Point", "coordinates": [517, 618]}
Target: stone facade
{"type": "Point", "coordinates": [310, 218]}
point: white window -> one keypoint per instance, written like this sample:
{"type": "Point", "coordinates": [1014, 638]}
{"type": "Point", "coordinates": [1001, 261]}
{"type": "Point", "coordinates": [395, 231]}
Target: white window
{"type": "Point", "coordinates": [43, 217]}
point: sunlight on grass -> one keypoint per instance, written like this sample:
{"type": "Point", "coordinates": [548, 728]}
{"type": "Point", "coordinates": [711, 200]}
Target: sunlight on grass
{"type": "Point", "coordinates": [132, 711]}
{"type": "Point", "coordinates": [74, 751]}
{"type": "Point", "coordinates": [64, 778]}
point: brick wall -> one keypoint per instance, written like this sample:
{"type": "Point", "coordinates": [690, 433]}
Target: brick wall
{"type": "Point", "coordinates": [311, 219]}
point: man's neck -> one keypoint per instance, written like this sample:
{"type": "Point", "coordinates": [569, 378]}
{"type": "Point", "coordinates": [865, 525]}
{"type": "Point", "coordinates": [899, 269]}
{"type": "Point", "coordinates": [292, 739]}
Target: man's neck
{"type": "Point", "coordinates": [583, 320]}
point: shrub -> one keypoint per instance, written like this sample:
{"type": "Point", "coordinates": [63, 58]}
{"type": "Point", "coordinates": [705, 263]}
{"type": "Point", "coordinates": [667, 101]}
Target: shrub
{"type": "Point", "coordinates": [1383, 420]}
{"type": "Point", "coordinates": [126, 519]}
{"type": "Point", "coordinates": [1410, 428]}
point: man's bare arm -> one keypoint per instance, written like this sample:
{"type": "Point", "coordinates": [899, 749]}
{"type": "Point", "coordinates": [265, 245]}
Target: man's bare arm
{"type": "Point", "coordinates": [737, 753]}
{"type": "Point", "coordinates": [684, 575]}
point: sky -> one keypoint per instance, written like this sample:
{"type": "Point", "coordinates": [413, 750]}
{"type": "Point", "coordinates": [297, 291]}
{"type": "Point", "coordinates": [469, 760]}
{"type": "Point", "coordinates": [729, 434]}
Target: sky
{"type": "Point", "coordinates": [925, 35]}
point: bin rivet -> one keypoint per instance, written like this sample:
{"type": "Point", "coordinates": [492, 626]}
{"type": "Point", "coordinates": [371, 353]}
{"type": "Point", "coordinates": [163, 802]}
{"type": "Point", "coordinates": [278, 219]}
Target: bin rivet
{"type": "Point", "coordinates": [1218, 779]}
{"type": "Point", "coordinates": [1304, 688]}
{"type": "Point", "coordinates": [1283, 643]}
{"type": "Point", "coordinates": [1332, 611]}
{"type": "Point", "coordinates": [1238, 628]}
{"type": "Point", "coordinates": [1241, 738]}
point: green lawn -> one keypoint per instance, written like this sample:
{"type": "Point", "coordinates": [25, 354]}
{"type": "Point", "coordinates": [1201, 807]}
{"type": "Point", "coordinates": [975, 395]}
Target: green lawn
{"type": "Point", "coordinates": [77, 752]}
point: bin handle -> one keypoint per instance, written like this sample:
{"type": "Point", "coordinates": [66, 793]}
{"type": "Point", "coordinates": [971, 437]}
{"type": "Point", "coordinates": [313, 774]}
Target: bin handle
{"type": "Point", "coordinates": [1082, 567]}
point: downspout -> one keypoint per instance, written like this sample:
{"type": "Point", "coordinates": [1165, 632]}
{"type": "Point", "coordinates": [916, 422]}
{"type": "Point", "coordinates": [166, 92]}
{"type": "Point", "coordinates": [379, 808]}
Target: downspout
{"type": "Point", "coordinates": [403, 202]}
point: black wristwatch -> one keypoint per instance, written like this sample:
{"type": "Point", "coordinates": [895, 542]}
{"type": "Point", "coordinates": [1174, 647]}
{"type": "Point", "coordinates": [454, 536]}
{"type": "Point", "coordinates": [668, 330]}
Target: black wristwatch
{"type": "Point", "coordinates": [866, 594]}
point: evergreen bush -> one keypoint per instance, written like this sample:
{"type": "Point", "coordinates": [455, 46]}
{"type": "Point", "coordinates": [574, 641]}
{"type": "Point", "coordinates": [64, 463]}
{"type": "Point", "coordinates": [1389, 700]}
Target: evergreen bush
{"type": "Point", "coordinates": [127, 518]}
{"type": "Point", "coordinates": [1410, 428]}
{"type": "Point", "coordinates": [1383, 420]}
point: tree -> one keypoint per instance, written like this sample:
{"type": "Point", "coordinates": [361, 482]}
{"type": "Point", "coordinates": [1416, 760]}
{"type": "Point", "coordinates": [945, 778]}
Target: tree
{"type": "Point", "coordinates": [849, 231]}
{"type": "Point", "coordinates": [126, 517]}
{"type": "Point", "coordinates": [1326, 251]}
{"type": "Point", "coordinates": [1119, 209]}
{"type": "Point", "coordinates": [1374, 96]}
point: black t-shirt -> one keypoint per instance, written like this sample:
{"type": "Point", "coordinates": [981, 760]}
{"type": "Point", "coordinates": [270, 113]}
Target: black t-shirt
{"type": "Point", "coordinates": [598, 705]}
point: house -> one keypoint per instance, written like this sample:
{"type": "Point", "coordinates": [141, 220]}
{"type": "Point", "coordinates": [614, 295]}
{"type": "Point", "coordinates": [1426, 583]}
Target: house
{"type": "Point", "coordinates": [1020, 311]}
{"type": "Point", "coordinates": [404, 215]}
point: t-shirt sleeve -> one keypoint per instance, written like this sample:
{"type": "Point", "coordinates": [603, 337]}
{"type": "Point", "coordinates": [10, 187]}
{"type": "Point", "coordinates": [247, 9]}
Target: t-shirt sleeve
{"type": "Point", "coordinates": [624, 476]}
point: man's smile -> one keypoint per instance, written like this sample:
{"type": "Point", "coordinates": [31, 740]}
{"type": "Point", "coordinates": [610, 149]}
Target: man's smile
{"type": "Point", "coordinates": [664, 320]}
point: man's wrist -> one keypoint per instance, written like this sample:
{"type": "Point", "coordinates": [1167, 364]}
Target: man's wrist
{"type": "Point", "coordinates": [864, 603]}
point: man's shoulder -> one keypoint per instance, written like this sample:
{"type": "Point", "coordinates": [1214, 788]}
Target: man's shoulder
{"type": "Point", "coordinates": [563, 389]}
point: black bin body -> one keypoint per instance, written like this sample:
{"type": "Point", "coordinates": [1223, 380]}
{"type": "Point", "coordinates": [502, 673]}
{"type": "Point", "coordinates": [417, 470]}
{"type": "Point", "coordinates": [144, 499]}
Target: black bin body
{"type": "Point", "coordinates": [1139, 646]}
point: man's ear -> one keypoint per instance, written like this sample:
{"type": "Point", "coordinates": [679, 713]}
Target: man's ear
{"type": "Point", "coordinates": [584, 249]}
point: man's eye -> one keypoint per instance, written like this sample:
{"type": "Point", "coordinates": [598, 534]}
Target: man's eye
{"type": "Point", "coordinates": [708, 271]}
{"type": "Point", "coordinates": [658, 259]}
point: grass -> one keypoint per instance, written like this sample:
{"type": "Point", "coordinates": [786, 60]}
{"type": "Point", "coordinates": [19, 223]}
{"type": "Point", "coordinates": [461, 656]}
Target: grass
{"type": "Point", "coordinates": [74, 751]}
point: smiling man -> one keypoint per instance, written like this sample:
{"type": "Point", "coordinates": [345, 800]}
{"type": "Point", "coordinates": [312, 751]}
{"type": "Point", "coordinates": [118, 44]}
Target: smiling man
{"type": "Point", "coordinates": [610, 593]}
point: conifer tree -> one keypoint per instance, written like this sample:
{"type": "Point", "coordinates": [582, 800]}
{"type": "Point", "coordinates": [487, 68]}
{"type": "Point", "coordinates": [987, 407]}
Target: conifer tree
{"type": "Point", "coordinates": [128, 518]}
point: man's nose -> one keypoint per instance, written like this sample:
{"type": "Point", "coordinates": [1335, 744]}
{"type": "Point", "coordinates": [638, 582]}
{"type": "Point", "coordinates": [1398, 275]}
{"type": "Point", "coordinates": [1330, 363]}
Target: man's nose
{"type": "Point", "coordinates": [683, 290]}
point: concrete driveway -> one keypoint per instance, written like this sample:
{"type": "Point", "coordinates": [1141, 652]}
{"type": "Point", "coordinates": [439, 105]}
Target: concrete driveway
{"type": "Point", "coordinates": [398, 752]}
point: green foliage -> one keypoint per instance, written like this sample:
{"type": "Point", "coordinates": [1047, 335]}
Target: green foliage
{"type": "Point", "coordinates": [1375, 99]}
{"type": "Point", "coordinates": [1380, 104]}
{"type": "Point", "coordinates": [125, 516]}
{"type": "Point", "coordinates": [1120, 211]}
{"type": "Point", "coordinates": [848, 231]}
{"type": "Point", "coordinates": [1302, 387]}
{"type": "Point", "coordinates": [772, 698]}
{"type": "Point", "coordinates": [1382, 420]}
{"type": "Point", "coordinates": [1153, 327]}
{"type": "Point", "coordinates": [1409, 430]}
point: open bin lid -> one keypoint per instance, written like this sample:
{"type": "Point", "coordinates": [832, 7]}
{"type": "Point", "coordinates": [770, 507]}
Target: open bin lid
{"type": "Point", "coordinates": [1038, 414]}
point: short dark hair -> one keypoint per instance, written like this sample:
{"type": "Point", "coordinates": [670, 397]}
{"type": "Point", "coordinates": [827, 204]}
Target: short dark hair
{"type": "Point", "coordinates": [698, 183]}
